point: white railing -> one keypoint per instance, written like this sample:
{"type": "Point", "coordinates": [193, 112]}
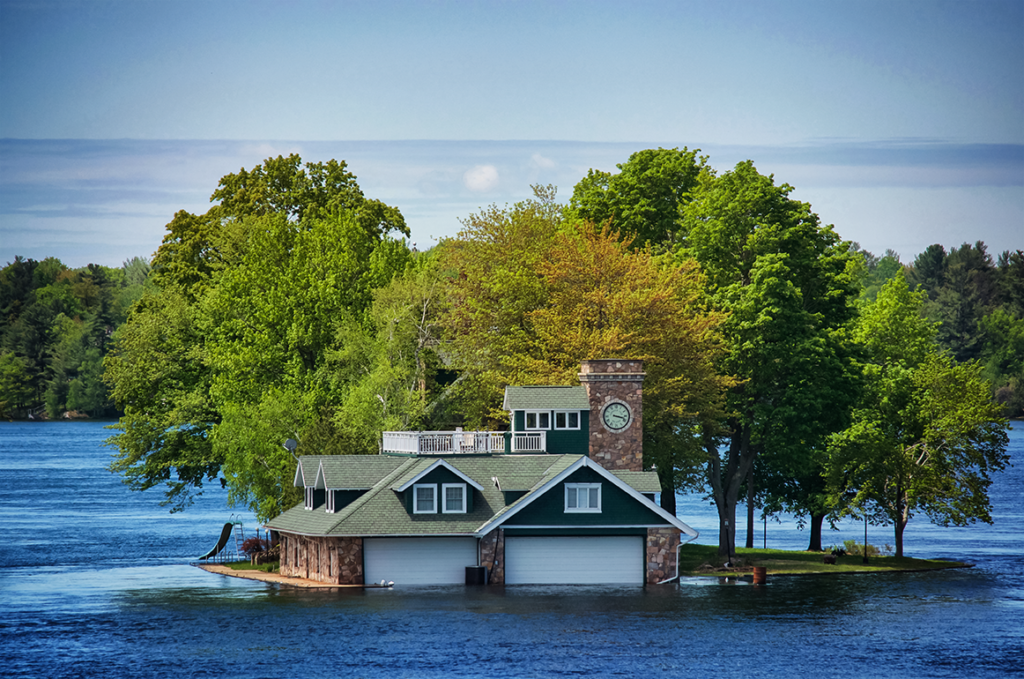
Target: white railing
{"type": "Point", "coordinates": [461, 442]}
{"type": "Point", "coordinates": [529, 442]}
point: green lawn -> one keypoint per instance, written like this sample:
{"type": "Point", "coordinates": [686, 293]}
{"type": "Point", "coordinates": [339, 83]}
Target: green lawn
{"type": "Point", "coordinates": [780, 562]}
{"type": "Point", "coordinates": [246, 566]}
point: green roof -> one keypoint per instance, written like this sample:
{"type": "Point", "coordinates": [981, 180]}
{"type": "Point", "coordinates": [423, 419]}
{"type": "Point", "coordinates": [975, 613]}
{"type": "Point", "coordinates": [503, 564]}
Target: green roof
{"type": "Point", "coordinates": [380, 511]}
{"type": "Point", "coordinates": [546, 398]}
{"type": "Point", "coordinates": [355, 472]}
{"type": "Point", "coordinates": [641, 482]}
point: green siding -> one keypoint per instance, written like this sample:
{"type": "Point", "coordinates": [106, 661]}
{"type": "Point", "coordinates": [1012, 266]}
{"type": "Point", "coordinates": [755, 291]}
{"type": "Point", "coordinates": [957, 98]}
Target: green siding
{"type": "Point", "coordinates": [343, 498]}
{"type": "Point", "coordinates": [560, 441]}
{"type": "Point", "coordinates": [617, 507]}
{"type": "Point", "coordinates": [438, 477]}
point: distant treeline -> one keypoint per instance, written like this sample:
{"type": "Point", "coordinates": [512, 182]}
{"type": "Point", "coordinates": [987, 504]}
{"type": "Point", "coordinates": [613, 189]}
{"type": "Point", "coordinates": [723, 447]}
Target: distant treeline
{"type": "Point", "coordinates": [59, 324]}
{"type": "Point", "coordinates": [978, 303]}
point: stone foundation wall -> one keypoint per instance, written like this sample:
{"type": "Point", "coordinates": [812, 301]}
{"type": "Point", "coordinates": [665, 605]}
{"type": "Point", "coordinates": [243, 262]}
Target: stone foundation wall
{"type": "Point", "coordinates": [334, 560]}
{"type": "Point", "coordinates": [662, 546]}
{"type": "Point", "coordinates": [492, 555]}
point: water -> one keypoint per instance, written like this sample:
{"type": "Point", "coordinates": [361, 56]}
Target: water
{"type": "Point", "coordinates": [94, 582]}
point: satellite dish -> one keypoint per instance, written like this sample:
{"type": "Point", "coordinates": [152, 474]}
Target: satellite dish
{"type": "Point", "coordinates": [290, 445]}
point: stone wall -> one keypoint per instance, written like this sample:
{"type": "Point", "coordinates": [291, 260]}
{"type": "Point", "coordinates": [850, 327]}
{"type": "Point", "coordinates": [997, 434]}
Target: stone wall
{"type": "Point", "coordinates": [662, 546]}
{"type": "Point", "coordinates": [492, 555]}
{"type": "Point", "coordinates": [606, 381]}
{"type": "Point", "coordinates": [334, 560]}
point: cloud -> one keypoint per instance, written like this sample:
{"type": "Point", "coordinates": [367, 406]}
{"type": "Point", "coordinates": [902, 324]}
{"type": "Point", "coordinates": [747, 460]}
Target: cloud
{"type": "Point", "coordinates": [481, 178]}
{"type": "Point", "coordinates": [542, 162]}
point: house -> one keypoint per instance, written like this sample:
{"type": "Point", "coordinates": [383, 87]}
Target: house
{"type": "Point", "coordinates": [560, 498]}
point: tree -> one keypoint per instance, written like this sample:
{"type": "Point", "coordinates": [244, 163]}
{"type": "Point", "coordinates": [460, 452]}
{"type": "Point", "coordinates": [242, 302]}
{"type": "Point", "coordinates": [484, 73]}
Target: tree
{"type": "Point", "coordinates": [927, 436]}
{"type": "Point", "coordinates": [533, 295]}
{"type": "Point", "coordinates": [642, 200]}
{"type": "Point", "coordinates": [283, 186]}
{"type": "Point", "coordinates": [157, 376]}
{"type": "Point", "coordinates": [605, 300]}
{"type": "Point", "coordinates": [788, 285]}
{"type": "Point", "coordinates": [494, 266]}
{"type": "Point", "coordinates": [251, 299]}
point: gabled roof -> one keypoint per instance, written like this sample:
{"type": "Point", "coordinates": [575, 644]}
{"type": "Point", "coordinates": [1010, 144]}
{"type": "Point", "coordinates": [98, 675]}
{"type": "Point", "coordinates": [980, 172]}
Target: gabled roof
{"type": "Point", "coordinates": [410, 478]}
{"type": "Point", "coordinates": [546, 398]}
{"type": "Point", "coordinates": [380, 511]}
{"type": "Point", "coordinates": [306, 471]}
{"type": "Point", "coordinates": [510, 511]}
{"type": "Point", "coordinates": [354, 472]}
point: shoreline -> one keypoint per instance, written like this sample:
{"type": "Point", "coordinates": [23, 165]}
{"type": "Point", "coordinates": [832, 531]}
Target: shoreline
{"type": "Point", "coordinates": [275, 578]}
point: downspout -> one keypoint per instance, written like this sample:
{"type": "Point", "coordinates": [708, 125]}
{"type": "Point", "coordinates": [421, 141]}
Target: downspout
{"type": "Point", "coordinates": [678, 549]}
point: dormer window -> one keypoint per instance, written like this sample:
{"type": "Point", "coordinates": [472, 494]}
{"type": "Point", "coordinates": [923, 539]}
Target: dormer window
{"type": "Point", "coordinates": [538, 419]}
{"type": "Point", "coordinates": [582, 497]}
{"type": "Point", "coordinates": [454, 498]}
{"type": "Point", "coordinates": [567, 419]}
{"type": "Point", "coordinates": [424, 498]}
{"type": "Point", "coordinates": [310, 497]}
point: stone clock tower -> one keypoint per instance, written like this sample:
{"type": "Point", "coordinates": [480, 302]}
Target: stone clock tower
{"type": "Point", "coordinates": [615, 390]}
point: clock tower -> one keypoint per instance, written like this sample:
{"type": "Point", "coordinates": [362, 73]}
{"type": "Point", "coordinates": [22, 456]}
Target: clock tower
{"type": "Point", "coordinates": [615, 390]}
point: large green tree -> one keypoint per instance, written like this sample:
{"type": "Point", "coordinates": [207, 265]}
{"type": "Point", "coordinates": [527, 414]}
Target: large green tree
{"type": "Point", "coordinates": [256, 299]}
{"type": "Point", "coordinates": [927, 436]}
{"type": "Point", "coordinates": [788, 285]}
{"type": "Point", "coordinates": [642, 199]}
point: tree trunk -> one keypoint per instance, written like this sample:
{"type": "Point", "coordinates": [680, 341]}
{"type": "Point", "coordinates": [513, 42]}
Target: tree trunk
{"type": "Point", "coordinates": [901, 520]}
{"type": "Point", "coordinates": [816, 521]}
{"type": "Point", "coordinates": [750, 508]}
{"type": "Point", "coordinates": [726, 486]}
{"type": "Point", "coordinates": [900, 526]}
{"type": "Point", "coordinates": [668, 492]}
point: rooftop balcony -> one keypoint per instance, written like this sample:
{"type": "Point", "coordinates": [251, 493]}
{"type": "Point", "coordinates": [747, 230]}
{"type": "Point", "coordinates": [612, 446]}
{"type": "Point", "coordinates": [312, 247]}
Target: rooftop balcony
{"type": "Point", "coordinates": [463, 442]}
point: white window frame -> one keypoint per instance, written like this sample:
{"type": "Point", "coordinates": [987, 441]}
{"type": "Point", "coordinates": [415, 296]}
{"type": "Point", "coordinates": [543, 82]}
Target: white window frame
{"type": "Point", "coordinates": [538, 415]}
{"type": "Point", "coordinates": [576, 488]}
{"type": "Point", "coordinates": [330, 501]}
{"type": "Point", "coordinates": [415, 498]}
{"type": "Point", "coordinates": [310, 498]}
{"type": "Point", "coordinates": [444, 498]}
{"type": "Point", "coordinates": [567, 414]}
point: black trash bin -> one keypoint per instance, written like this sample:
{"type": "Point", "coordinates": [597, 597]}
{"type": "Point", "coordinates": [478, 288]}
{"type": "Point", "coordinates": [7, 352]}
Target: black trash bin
{"type": "Point", "coordinates": [476, 575]}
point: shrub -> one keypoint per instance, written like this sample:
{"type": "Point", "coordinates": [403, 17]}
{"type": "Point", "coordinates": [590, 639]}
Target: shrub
{"type": "Point", "coordinates": [854, 547]}
{"type": "Point", "coordinates": [253, 546]}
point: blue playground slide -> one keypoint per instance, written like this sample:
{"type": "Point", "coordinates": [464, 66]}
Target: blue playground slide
{"type": "Point", "coordinates": [225, 535]}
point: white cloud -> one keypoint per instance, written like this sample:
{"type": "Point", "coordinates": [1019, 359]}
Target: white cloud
{"type": "Point", "coordinates": [542, 162]}
{"type": "Point", "coordinates": [481, 178]}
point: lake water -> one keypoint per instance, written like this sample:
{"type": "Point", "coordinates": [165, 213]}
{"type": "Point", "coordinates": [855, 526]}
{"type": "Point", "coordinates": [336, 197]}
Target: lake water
{"type": "Point", "coordinates": [95, 582]}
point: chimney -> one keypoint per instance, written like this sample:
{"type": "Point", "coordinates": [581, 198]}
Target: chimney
{"type": "Point", "coordinates": [615, 390]}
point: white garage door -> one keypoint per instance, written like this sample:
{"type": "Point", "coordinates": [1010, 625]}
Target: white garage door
{"type": "Point", "coordinates": [574, 560]}
{"type": "Point", "coordinates": [418, 561]}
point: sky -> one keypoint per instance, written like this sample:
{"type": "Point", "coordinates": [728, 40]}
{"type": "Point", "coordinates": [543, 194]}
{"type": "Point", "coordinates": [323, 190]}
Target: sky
{"type": "Point", "coordinates": [901, 123]}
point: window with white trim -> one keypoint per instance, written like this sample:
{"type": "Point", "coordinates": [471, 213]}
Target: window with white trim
{"type": "Point", "coordinates": [582, 497]}
{"type": "Point", "coordinates": [454, 495]}
{"type": "Point", "coordinates": [330, 501]}
{"type": "Point", "coordinates": [538, 419]}
{"type": "Point", "coordinates": [424, 498]}
{"type": "Point", "coordinates": [567, 419]}
{"type": "Point", "coordinates": [309, 497]}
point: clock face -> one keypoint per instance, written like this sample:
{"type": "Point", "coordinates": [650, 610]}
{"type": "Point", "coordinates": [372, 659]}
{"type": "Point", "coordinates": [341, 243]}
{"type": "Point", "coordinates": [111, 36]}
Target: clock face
{"type": "Point", "coordinates": [616, 416]}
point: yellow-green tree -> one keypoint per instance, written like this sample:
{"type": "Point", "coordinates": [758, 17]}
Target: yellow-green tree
{"type": "Point", "coordinates": [533, 296]}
